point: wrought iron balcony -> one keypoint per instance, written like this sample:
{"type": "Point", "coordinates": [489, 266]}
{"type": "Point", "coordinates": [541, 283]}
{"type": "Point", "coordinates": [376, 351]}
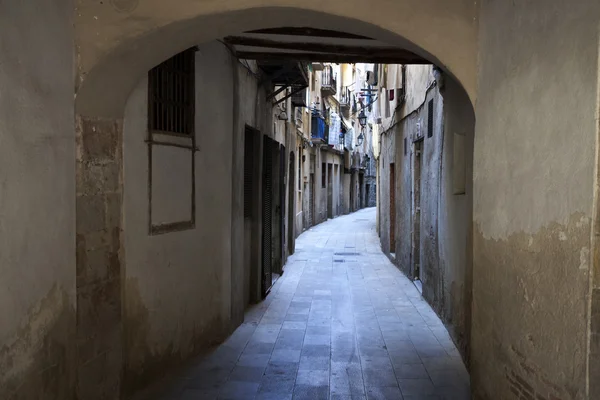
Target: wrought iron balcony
{"type": "Point", "coordinates": [346, 98]}
{"type": "Point", "coordinates": [328, 81]}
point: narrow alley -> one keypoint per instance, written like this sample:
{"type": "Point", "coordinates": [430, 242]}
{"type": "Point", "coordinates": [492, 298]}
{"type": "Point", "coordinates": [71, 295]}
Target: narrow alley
{"type": "Point", "coordinates": [341, 323]}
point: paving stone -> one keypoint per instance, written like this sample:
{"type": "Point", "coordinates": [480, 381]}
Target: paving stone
{"type": "Point", "coordinates": [304, 392]}
{"type": "Point", "coordinates": [247, 374]}
{"type": "Point", "coordinates": [384, 393]}
{"type": "Point", "coordinates": [341, 331]}
{"type": "Point", "coordinates": [314, 363]}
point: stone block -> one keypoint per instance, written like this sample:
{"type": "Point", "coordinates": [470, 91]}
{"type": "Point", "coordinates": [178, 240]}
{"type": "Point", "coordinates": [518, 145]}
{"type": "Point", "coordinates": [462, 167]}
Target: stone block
{"type": "Point", "coordinates": [113, 210]}
{"type": "Point", "coordinates": [91, 214]}
{"type": "Point", "coordinates": [99, 139]}
{"type": "Point", "coordinates": [96, 178]}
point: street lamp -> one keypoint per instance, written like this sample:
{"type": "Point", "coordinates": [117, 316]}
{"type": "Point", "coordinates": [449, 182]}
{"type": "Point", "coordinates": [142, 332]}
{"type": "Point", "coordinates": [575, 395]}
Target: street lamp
{"type": "Point", "coordinates": [360, 139]}
{"type": "Point", "coordinates": [362, 119]}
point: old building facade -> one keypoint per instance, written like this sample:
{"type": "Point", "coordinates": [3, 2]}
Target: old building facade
{"type": "Point", "coordinates": [425, 173]}
{"type": "Point", "coordinates": [111, 232]}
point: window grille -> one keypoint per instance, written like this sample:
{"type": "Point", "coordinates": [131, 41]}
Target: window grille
{"type": "Point", "coordinates": [171, 104]}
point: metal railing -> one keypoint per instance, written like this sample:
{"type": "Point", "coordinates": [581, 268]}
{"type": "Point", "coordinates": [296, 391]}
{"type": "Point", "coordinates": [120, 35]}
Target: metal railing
{"type": "Point", "coordinates": [328, 80]}
{"type": "Point", "coordinates": [346, 97]}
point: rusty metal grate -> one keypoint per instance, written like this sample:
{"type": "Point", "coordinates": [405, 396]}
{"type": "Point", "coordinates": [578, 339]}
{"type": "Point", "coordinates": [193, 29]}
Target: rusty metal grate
{"type": "Point", "coordinates": [171, 95]}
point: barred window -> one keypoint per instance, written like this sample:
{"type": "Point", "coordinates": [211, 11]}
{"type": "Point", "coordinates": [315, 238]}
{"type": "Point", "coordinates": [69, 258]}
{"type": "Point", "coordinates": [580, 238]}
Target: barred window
{"type": "Point", "coordinates": [171, 95]}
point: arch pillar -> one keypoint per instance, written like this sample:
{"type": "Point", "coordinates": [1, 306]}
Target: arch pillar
{"type": "Point", "coordinates": [99, 258]}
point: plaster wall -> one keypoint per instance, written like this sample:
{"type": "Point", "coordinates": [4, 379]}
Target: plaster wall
{"type": "Point", "coordinates": [455, 264]}
{"type": "Point", "coordinates": [443, 244]}
{"type": "Point", "coordinates": [178, 287]}
{"type": "Point", "coordinates": [37, 201]}
{"type": "Point", "coordinates": [533, 199]}
{"type": "Point", "coordinates": [418, 78]}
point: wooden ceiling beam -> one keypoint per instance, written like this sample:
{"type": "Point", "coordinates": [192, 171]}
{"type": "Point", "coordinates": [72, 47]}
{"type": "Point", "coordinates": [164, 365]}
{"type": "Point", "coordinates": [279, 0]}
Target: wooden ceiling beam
{"type": "Point", "coordinates": [293, 31]}
{"type": "Point", "coordinates": [400, 58]}
{"type": "Point", "coordinates": [320, 47]}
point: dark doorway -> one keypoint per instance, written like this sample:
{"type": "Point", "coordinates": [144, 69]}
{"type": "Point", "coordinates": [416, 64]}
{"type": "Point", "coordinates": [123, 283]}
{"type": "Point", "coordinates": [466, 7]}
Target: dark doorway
{"type": "Point", "coordinates": [267, 216]}
{"type": "Point", "coordinates": [416, 211]}
{"type": "Point", "coordinates": [392, 208]}
{"type": "Point", "coordinates": [249, 214]}
{"type": "Point", "coordinates": [329, 191]}
{"type": "Point", "coordinates": [291, 237]}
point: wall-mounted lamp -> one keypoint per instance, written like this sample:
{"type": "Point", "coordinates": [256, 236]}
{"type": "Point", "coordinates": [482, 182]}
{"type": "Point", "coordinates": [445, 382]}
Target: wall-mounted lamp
{"type": "Point", "coordinates": [360, 139]}
{"type": "Point", "coordinates": [282, 116]}
{"type": "Point", "coordinates": [362, 119]}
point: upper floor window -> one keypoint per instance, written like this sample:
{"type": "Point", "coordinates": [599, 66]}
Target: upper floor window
{"type": "Point", "coordinates": [171, 95]}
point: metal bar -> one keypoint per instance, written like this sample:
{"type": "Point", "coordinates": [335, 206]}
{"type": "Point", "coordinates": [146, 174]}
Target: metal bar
{"type": "Point", "coordinates": [181, 146]}
{"type": "Point", "coordinates": [275, 93]}
{"type": "Point", "coordinates": [293, 92]}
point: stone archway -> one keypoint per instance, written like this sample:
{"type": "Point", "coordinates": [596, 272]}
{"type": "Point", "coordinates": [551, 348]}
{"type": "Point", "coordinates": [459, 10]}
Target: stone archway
{"type": "Point", "coordinates": [120, 41]}
{"type": "Point", "coordinates": [116, 46]}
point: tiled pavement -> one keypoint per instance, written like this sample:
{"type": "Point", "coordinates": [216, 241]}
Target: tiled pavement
{"type": "Point", "coordinates": [342, 324]}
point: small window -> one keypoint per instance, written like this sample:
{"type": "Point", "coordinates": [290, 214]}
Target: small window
{"type": "Point", "coordinates": [430, 119]}
{"type": "Point", "coordinates": [323, 175]}
{"type": "Point", "coordinates": [405, 146]}
{"type": "Point", "coordinates": [171, 95]}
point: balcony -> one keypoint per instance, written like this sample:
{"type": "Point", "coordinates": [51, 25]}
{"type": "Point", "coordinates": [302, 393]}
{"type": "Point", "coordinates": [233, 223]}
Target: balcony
{"type": "Point", "coordinates": [319, 129]}
{"type": "Point", "coordinates": [346, 99]}
{"type": "Point", "coordinates": [328, 82]}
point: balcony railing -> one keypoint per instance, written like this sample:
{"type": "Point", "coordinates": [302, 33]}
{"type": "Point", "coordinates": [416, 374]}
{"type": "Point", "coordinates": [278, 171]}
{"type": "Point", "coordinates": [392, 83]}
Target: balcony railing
{"type": "Point", "coordinates": [319, 129]}
{"type": "Point", "coordinates": [346, 98]}
{"type": "Point", "coordinates": [329, 81]}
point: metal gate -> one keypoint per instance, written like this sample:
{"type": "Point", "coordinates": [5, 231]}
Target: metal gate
{"type": "Point", "coordinates": [248, 171]}
{"type": "Point", "coordinates": [282, 192]}
{"type": "Point", "coordinates": [267, 217]}
{"type": "Point", "coordinates": [392, 208]}
{"type": "Point", "coordinates": [311, 200]}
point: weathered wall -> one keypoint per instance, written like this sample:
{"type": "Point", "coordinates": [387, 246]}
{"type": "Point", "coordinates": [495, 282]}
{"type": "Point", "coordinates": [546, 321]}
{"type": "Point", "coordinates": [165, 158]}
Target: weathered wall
{"type": "Point", "coordinates": [533, 175]}
{"type": "Point", "coordinates": [250, 109]}
{"type": "Point", "coordinates": [455, 265]}
{"type": "Point", "coordinates": [37, 201]}
{"type": "Point", "coordinates": [443, 243]}
{"type": "Point", "coordinates": [178, 285]}
{"type": "Point", "coordinates": [387, 157]}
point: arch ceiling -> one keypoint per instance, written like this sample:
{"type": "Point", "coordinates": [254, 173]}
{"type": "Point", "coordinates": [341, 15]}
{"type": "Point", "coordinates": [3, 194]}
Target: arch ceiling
{"type": "Point", "coordinates": [119, 40]}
